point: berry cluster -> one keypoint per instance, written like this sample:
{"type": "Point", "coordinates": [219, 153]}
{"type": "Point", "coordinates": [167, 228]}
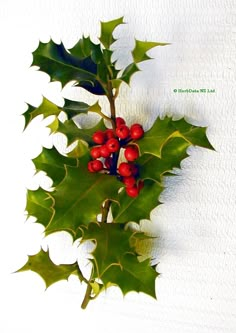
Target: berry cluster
{"type": "Point", "coordinates": [106, 153]}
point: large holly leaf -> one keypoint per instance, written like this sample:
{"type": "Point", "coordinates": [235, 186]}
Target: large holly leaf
{"type": "Point", "coordinates": [39, 205]}
{"type": "Point", "coordinates": [132, 275]}
{"type": "Point", "coordinates": [63, 66]}
{"type": "Point", "coordinates": [107, 28]}
{"type": "Point", "coordinates": [79, 197]}
{"type": "Point", "coordinates": [127, 209]}
{"type": "Point", "coordinates": [165, 129]}
{"type": "Point", "coordinates": [46, 108]}
{"type": "Point", "coordinates": [112, 242]}
{"type": "Point", "coordinates": [73, 132]}
{"type": "Point", "coordinates": [153, 167]}
{"type": "Point", "coordinates": [115, 259]}
{"type": "Point", "coordinates": [53, 163]}
{"type": "Point", "coordinates": [50, 273]}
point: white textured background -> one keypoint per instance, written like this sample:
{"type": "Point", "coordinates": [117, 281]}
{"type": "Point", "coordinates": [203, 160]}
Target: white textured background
{"type": "Point", "coordinates": [196, 226]}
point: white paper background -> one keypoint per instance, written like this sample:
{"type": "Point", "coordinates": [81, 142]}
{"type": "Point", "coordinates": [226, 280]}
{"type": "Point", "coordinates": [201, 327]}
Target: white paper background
{"type": "Point", "coordinates": [196, 225]}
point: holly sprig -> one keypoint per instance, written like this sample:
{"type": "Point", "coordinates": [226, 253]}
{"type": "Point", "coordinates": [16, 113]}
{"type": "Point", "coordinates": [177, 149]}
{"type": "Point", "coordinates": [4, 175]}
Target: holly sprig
{"type": "Point", "coordinates": [113, 169]}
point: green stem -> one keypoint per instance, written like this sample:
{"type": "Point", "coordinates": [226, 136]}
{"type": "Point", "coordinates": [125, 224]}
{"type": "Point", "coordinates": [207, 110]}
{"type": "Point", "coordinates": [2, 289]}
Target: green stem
{"type": "Point", "coordinates": [87, 296]}
{"type": "Point", "coordinates": [111, 99]}
{"type": "Point", "coordinates": [105, 210]}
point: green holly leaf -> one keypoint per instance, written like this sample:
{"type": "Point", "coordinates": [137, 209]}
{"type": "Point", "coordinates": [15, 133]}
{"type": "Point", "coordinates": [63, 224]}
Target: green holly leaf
{"type": "Point", "coordinates": [128, 72]}
{"type": "Point", "coordinates": [107, 29]}
{"type": "Point", "coordinates": [126, 209]}
{"type": "Point", "coordinates": [115, 259]}
{"type": "Point", "coordinates": [111, 240]}
{"type": "Point", "coordinates": [85, 48]}
{"type": "Point", "coordinates": [80, 149]}
{"type": "Point", "coordinates": [46, 108]}
{"type": "Point", "coordinates": [165, 129]}
{"type": "Point", "coordinates": [74, 108]}
{"type": "Point", "coordinates": [141, 47]}
{"type": "Point", "coordinates": [79, 197]}
{"type": "Point", "coordinates": [73, 132]}
{"type": "Point", "coordinates": [132, 275]}
{"type": "Point", "coordinates": [39, 205]}
{"type": "Point", "coordinates": [53, 163]}
{"type": "Point", "coordinates": [50, 273]}
{"type": "Point", "coordinates": [153, 167]}
{"type": "Point", "coordinates": [63, 66]}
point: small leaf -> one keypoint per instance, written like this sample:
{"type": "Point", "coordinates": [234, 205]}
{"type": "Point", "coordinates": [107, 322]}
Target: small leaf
{"type": "Point", "coordinates": [141, 47]}
{"type": "Point", "coordinates": [107, 29]}
{"type": "Point", "coordinates": [46, 108]}
{"type": "Point", "coordinates": [74, 133]}
{"type": "Point", "coordinates": [50, 273]}
{"type": "Point", "coordinates": [73, 108]}
{"type": "Point", "coordinates": [127, 209]}
{"type": "Point", "coordinates": [132, 275]}
{"type": "Point", "coordinates": [53, 163]}
{"type": "Point", "coordinates": [39, 205]}
{"type": "Point", "coordinates": [128, 72]}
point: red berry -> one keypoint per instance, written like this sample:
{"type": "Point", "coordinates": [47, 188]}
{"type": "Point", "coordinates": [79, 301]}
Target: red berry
{"type": "Point", "coordinates": [140, 184]}
{"type": "Point", "coordinates": [136, 131]}
{"type": "Point", "coordinates": [122, 131]}
{"type": "Point", "coordinates": [113, 145]}
{"type": "Point", "coordinates": [109, 133]}
{"type": "Point", "coordinates": [90, 166]}
{"type": "Point", "coordinates": [125, 169]}
{"type": "Point", "coordinates": [95, 152]}
{"type": "Point", "coordinates": [104, 151]}
{"type": "Point", "coordinates": [95, 166]}
{"type": "Point", "coordinates": [119, 121]}
{"type": "Point", "coordinates": [129, 181]}
{"type": "Point", "coordinates": [132, 191]}
{"type": "Point", "coordinates": [108, 162]}
{"type": "Point", "coordinates": [131, 153]}
{"type": "Point", "coordinates": [99, 137]}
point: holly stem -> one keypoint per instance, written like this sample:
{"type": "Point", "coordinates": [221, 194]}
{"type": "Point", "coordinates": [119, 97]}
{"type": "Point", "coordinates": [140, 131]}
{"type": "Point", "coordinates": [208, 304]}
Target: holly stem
{"type": "Point", "coordinates": [87, 296]}
{"type": "Point", "coordinates": [105, 210]}
{"type": "Point", "coordinates": [111, 99]}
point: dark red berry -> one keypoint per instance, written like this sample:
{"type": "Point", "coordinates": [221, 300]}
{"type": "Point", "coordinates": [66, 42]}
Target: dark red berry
{"type": "Point", "coordinates": [132, 191]}
{"type": "Point", "coordinates": [140, 184]}
{"type": "Point", "coordinates": [99, 137]}
{"type": "Point", "coordinates": [119, 121]}
{"type": "Point", "coordinates": [136, 131]}
{"type": "Point", "coordinates": [129, 181]}
{"type": "Point", "coordinates": [113, 145]}
{"type": "Point", "coordinates": [108, 162]}
{"type": "Point", "coordinates": [95, 166]}
{"type": "Point", "coordinates": [109, 133]}
{"type": "Point", "coordinates": [122, 131]}
{"type": "Point", "coordinates": [95, 152]}
{"type": "Point", "coordinates": [90, 166]}
{"type": "Point", "coordinates": [135, 170]}
{"type": "Point", "coordinates": [131, 153]}
{"type": "Point", "coordinates": [125, 169]}
{"type": "Point", "coordinates": [104, 151]}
